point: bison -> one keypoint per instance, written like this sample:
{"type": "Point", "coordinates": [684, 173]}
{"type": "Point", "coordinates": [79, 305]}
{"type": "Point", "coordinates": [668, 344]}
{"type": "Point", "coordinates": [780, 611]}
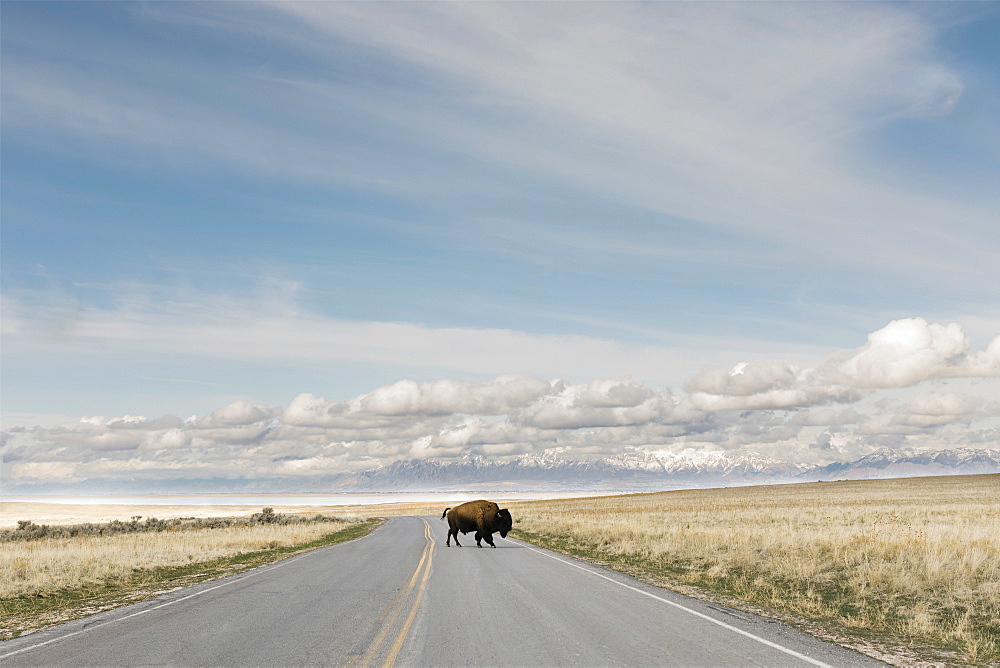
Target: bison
{"type": "Point", "coordinates": [483, 517]}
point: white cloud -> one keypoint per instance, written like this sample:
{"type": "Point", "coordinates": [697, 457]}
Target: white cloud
{"type": "Point", "coordinates": [253, 330]}
{"type": "Point", "coordinates": [764, 385]}
{"type": "Point", "coordinates": [33, 471]}
{"type": "Point", "coordinates": [240, 412]}
{"type": "Point", "coordinates": [768, 406]}
{"type": "Point", "coordinates": [940, 403]}
{"type": "Point", "coordinates": [736, 115]}
{"type": "Point", "coordinates": [902, 354]}
{"type": "Point", "coordinates": [747, 116]}
{"type": "Point", "coordinates": [310, 466]}
{"type": "Point", "coordinates": [445, 397]}
{"type": "Point", "coordinates": [570, 410]}
{"type": "Point", "coordinates": [309, 410]}
{"type": "Point", "coordinates": [910, 351]}
{"type": "Point", "coordinates": [774, 399]}
{"type": "Point", "coordinates": [746, 379]}
{"type": "Point", "coordinates": [826, 417]}
{"type": "Point", "coordinates": [935, 409]}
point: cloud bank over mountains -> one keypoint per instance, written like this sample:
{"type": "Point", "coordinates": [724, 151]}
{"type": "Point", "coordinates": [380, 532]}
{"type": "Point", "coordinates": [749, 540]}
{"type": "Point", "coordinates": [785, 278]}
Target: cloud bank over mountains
{"type": "Point", "coordinates": [913, 384]}
{"type": "Point", "coordinates": [346, 234]}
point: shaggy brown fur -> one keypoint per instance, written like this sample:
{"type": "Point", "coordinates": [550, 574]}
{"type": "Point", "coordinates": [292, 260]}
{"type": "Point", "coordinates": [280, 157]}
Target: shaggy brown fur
{"type": "Point", "coordinates": [483, 517]}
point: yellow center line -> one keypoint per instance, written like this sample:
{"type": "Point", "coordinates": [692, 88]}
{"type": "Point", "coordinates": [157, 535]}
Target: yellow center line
{"type": "Point", "coordinates": [395, 607]}
{"type": "Point", "coordinates": [401, 638]}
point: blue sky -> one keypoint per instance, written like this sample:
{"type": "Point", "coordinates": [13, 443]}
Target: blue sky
{"type": "Point", "coordinates": [208, 205]}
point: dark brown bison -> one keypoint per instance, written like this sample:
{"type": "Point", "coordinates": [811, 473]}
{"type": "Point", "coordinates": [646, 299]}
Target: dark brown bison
{"type": "Point", "coordinates": [483, 517]}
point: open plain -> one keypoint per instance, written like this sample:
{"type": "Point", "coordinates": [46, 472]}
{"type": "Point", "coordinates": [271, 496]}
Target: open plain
{"type": "Point", "coordinates": [12, 512]}
{"type": "Point", "coordinates": [905, 570]}
{"type": "Point", "coordinates": [399, 597]}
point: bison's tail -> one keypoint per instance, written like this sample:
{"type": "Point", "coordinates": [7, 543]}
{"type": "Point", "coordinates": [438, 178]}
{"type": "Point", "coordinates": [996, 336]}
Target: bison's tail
{"type": "Point", "coordinates": [445, 512]}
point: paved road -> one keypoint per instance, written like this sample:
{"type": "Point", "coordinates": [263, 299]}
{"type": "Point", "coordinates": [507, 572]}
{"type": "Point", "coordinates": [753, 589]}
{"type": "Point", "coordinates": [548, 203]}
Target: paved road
{"type": "Point", "coordinates": [399, 596]}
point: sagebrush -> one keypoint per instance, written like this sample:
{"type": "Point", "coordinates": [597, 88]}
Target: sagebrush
{"type": "Point", "coordinates": [28, 530]}
{"type": "Point", "coordinates": [37, 559]}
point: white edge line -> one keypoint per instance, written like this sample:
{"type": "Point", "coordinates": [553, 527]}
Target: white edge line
{"type": "Point", "coordinates": [236, 578]}
{"type": "Point", "coordinates": [724, 625]}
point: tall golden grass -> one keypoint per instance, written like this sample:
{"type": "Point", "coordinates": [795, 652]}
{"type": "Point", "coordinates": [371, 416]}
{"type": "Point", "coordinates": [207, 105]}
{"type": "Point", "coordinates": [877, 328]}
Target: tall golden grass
{"type": "Point", "coordinates": [50, 564]}
{"type": "Point", "coordinates": [916, 559]}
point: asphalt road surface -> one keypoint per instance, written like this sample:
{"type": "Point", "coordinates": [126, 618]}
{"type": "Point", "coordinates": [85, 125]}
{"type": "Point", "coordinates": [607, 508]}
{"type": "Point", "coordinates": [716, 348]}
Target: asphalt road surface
{"type": "Point", "coordinates": [399, 596]}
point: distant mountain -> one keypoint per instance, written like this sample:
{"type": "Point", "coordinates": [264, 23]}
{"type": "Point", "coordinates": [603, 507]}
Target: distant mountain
{"type": "Point", "coordinates": [636, 471]}
{"type": "Point", "coordinates": [694, 463]}
{"type": "Point", "coordinates": [643, 470]}
{"type": "Point", "coordinates": [887, 463]}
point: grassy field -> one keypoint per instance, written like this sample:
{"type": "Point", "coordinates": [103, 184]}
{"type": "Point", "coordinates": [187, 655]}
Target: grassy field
{"type": "Point", "coordinates": [909, 569]}
{"type": "Point", "coordinates": [12, 512]}
{"type": "Point", "coordinates": [916, 560]}
{"type": "Point", "coordinates": [51, 579]}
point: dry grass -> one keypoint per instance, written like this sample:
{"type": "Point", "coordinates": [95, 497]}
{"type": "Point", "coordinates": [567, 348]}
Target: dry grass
{"type": "Point", "coordinates": [915, 559]}
{"type": "Point", "coordinates": [33, 567]}
{"type": "Point", "coordinates": [50, 580]}
{"type": "Point", "coordinates": [12, 512]}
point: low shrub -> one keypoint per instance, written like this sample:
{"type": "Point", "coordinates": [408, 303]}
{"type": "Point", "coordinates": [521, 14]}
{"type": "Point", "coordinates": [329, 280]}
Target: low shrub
{"type": "Point", "coordinates": [27, 530]}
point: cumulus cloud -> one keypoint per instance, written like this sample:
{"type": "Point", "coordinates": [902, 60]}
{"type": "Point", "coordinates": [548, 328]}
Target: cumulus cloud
{"type": "Point", "coordinates": [764, 385]}
{"type": "Point", "coordinates": [826, 417]}
{"type": "Point", "coordinates": [928, 412]}
{"type": "Point", "coordinates": [240, 412]}
{"type": "Point", "coordinates": [746, 379]}
{"type": "Point", "coordinates": [910, 351]}
{"type": "Point", "coordinates": [934, 409]}
{"type": "Point", "coordinates": [598, 404]}
{"type": "Point", "coordinates": [445, 397]}
{"type": "Point", "coordinates": [767, 406]}
{"type": "Point", "coordinates": [902, 354]}
{"type": "Point", "coordinates": [308, 410]}
{"type": "Point", "coordinates": [212, 326]}
{"type": "Point", "coordinates": [34, 471]}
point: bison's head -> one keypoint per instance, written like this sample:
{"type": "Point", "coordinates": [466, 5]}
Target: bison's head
{"type": "Point", "coordinates": [503, 522]}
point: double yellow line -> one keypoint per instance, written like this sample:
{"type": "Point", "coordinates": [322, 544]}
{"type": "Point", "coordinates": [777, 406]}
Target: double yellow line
{"type": "Point", "coordinates": [398, 604]}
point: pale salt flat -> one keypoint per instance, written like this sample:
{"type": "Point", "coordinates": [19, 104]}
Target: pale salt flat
{"type": "Point", "coordinates": [80, 509]}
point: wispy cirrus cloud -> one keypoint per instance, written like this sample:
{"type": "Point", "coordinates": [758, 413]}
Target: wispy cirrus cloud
{"type": "Point", "coordinates": [741, 117]}
{"type": "Point", "coordinates": [222, 328]}
{"type": "Point", "coordinates": [752, 119]}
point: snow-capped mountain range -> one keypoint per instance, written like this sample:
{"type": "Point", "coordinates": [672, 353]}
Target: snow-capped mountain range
{"type": "Point", "coordinates": [636, 471]}
{"type": "Point", "coordinates": [644, 470]}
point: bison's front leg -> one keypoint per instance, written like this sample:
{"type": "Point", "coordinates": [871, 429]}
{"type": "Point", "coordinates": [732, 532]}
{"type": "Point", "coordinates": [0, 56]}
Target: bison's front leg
{"type": "Point", "coordinates": [489, 539]}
